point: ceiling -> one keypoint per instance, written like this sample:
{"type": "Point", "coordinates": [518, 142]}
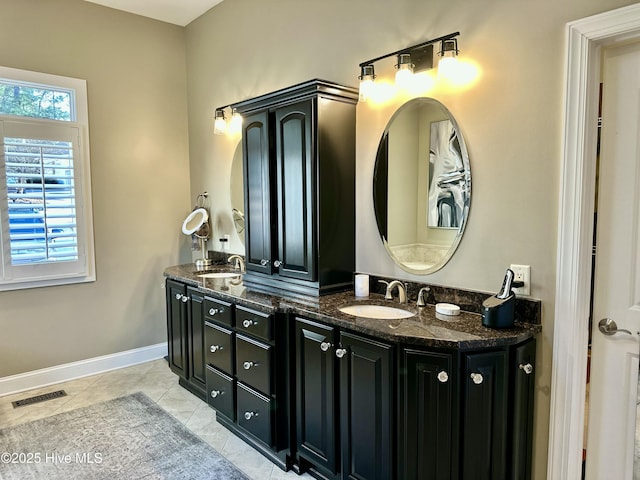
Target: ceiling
{"type": "Point", "coordinates": [178, 12]}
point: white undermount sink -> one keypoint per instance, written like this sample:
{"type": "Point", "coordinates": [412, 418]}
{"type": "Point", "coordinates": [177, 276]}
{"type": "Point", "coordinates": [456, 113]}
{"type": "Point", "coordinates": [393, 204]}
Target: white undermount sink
{"type": "Point", "coordinates": [376, 311]}
{"type": "Point", "coordinates": [220, 275]}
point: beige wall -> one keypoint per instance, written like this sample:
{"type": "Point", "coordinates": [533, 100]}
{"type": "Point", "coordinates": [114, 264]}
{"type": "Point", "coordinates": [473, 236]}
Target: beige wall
{"type": "Point", "coordinates": [136, 79]}
{"type": "Point", "coordinates": [511, 119]}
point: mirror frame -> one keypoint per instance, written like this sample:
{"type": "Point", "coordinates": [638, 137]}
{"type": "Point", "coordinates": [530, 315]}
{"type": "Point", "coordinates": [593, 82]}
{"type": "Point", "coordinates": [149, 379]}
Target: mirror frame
{"type": "Point", "coordinates": [381, 222]}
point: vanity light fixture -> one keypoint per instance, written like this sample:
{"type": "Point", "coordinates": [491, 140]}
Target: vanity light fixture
{"type": "Point", "coordinates": [417, 58]}
{"type": "Point", "coordinates": [219, 123]}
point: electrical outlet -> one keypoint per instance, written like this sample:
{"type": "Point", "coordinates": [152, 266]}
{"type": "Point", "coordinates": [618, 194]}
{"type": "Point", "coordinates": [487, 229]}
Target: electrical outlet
{"type": "Point", "coordinates": [522, 273]}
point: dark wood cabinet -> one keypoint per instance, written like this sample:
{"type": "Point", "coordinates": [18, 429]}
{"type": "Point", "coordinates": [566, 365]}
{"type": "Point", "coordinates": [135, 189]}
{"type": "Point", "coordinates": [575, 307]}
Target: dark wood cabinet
{"type": "Point", "coordinates": [367, 408]}
{"type": "Point", "coordinates": [427, 444]}
{"type": "Point", "coordinates": [186, 336]}
{"type": "Point", "coordinates": [522, 396]}
{"type": "Point", "coordinates": [177, 327]}
{"type": "Point", "coordinates": [344, 406]}
{"type": "Point", "coordinates": [344, 403]}
{"type": "Point", "coordinates": [299, 176]}
{"type": "Point", "coordinates": [316, 373]}
{"type": "Point", "coordinates": [484, 415]}
{"type": "Point", "coordinates": [467, 415]}
{"type": "Point", "coordinates": [197, 376]}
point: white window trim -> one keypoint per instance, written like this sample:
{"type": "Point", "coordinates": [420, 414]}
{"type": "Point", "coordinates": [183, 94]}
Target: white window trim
{"type": "Point", "coordinates": [80, 120]}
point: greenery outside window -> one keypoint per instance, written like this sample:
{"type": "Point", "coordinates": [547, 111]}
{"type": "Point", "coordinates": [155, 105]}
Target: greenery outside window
{"type": "Point", "coordinates": [46, 229]}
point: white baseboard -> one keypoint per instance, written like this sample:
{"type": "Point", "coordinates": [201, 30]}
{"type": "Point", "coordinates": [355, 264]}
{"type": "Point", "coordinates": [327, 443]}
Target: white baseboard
{"type": "Point", "coordinates": [83, 368]}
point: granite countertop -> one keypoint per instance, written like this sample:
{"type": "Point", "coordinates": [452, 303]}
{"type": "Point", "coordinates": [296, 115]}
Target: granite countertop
{"type": "Point", "coordinates": [426, 328]}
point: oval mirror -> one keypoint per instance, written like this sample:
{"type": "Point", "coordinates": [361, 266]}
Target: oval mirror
{"type": "Point", "coordinates": [421, 186]}
{"type": "Point", "coordinates": [237, 192]}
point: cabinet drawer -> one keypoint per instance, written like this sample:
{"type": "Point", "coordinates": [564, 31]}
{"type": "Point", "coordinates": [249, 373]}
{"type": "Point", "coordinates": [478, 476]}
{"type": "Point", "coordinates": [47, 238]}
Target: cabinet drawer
{"type": "Point", "coordinates": [254, 323]}
{"type": "Point", "coordinates": [254, 413]}
{"type": "Point", "coordinates": [253, 363]}
{"type": "Point", "coordinates": [220, 392]}
{"type": "Point", "coordinates": [218, 311]}
{"type": "Point", "coordinates": [219, 347]}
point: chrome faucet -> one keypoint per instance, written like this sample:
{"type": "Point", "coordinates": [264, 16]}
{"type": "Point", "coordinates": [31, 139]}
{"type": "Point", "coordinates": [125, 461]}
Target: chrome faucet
{"type": "Point", "coordinates": [422, 301]}
{"type": "Point", "coordinates": [239, 265]}
{"type": "Point", "coordinates": [402, 290]}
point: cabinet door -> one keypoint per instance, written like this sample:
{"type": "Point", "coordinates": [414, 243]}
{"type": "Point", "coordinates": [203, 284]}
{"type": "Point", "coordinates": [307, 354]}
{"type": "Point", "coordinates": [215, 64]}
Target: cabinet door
{"type": "Point", "coordinates": [296, 192]}
{"type": "Point", "coordinates": [366, 408]}
{"type": "Point", "coordinates": [316, 395]}
{"type": "Point", "coordinates": [428, 402]}
{"type": "Point", "coordinates": [177, 327]}
{"type": "Point", "coordinates": [523, 378]}
{"type": "Point", "coordinates": [196, 339]}
{"type": "Point", "coordinates": [257, 201]}
{"type": "Point", "coordinates": [485, 416]}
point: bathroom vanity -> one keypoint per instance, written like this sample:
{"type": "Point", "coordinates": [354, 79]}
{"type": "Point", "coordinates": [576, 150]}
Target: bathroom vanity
{"type": "Point", "coordinates": [340, 396]}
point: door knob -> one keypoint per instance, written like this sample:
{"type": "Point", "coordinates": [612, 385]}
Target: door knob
{"type": "Point", "coordinates": [609, 327]}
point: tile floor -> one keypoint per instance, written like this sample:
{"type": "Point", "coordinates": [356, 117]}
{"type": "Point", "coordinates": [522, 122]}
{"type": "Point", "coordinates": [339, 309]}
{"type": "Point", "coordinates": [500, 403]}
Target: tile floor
{"type": "Point", "coordinates": [161, 385]}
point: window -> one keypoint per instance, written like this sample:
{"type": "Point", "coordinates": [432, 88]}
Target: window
{"type": "Point", "coordinates": [45, 203]}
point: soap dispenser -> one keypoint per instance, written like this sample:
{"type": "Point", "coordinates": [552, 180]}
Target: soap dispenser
{"type": "Point", "coordinates": [498, 311]}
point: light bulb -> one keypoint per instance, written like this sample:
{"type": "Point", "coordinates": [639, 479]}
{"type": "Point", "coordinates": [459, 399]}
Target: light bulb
{"type": "Point", "coordinates": [404, 73]}
{"type": "Point", "coordinates": [448, 64]}
{"type": "Point", "coordinates": [367, 82]}
{"type": "Point", "coordinates": [235, 124]}
{"type": "Point", "coordinates": [219, 124]}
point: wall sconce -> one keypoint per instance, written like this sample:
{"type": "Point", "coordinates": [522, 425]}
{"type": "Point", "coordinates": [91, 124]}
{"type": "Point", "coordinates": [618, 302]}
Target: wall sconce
{"type": "Point", "coordinates": [219, 123]}
{"type": "Point", "coordinates": [417, 58]}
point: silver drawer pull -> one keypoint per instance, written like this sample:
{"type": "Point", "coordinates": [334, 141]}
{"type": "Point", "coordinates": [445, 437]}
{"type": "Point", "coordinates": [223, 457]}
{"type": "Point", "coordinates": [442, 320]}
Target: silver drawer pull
{"type": "Point", "coordinates": [215, 348]}
{"type": "Point", "coordinates": [250, 415]}
{"type": "Point", "coordinates": [213, 311]}
{"type": "Point", "coordinates": [216, 393]}
{"type": "Point", "coordinates": [528, 368]}
{"type": "Point", "coordinates": [185, 299]}
{"type": "Point", "coordinates": [178, 296]}
{"type": "Point", "coordinates": [443, 377]}
{"type": "Point", "coordinates": [477, 378]}
{"type": "Point", "coordinates": [341, 352]}
{"type": "Point", "coordinates": [248, 323]}
{"type": "Point", "coordinates": [324, 346]}
{"type": "Point", "coordinates": [248, 365]}
{"type": "Point", "coordinates": [277, 263]}
{"type": "Point", "coordinates": [264, 262]}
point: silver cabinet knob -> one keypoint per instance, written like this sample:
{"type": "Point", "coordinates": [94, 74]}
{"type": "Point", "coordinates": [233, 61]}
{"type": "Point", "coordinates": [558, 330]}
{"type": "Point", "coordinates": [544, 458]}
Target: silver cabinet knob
{"type": "Point", "coordinates": [216, 393]}
{"type": "Point", "coordinates": [213, 311]}
{"type": "Point", "coordinates": [277, 263]}
{"type": "Point", "coordinates": [324, 346]}
{"type": "Point", "coordinates": [443, 377]}
{"type": "Point", "coordinates": [248, 323]}
{"type": "Point", "coordinates": [215, 348]}
{"type": "Point", "coordinates": [341, 352]}
{"type": "Point", "coordinates": [248, 365]}
{"type": "Point", "coordinates": [185, 299]}
{"type": "Point", "coordinates": [477, 378]}
{"type": "Point", "coordinates": [250, 415]}
{"type": "Point", "coordinates": [264, 262]}
{"type": "Point", "coordinates": [527, 368]}
{"type": "Point", "coordinates": [178, 296]}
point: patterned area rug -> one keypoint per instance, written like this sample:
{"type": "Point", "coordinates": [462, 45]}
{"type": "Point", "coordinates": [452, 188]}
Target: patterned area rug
{"type": "Point", "coordinates": [126, 438]}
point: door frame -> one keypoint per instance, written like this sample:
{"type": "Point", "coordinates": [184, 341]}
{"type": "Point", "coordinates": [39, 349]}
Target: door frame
{"type": "Point", "coordinates": [584, 40]}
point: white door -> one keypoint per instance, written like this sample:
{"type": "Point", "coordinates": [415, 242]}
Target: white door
{"type": "Point", "coordinates": [613, 387]}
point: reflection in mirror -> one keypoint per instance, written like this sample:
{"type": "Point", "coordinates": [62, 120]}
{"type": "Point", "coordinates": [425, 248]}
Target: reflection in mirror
{"type": "Point", "coordinates": [421, 186]}
{"type": "Point", "coordinates": [237, 192]}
